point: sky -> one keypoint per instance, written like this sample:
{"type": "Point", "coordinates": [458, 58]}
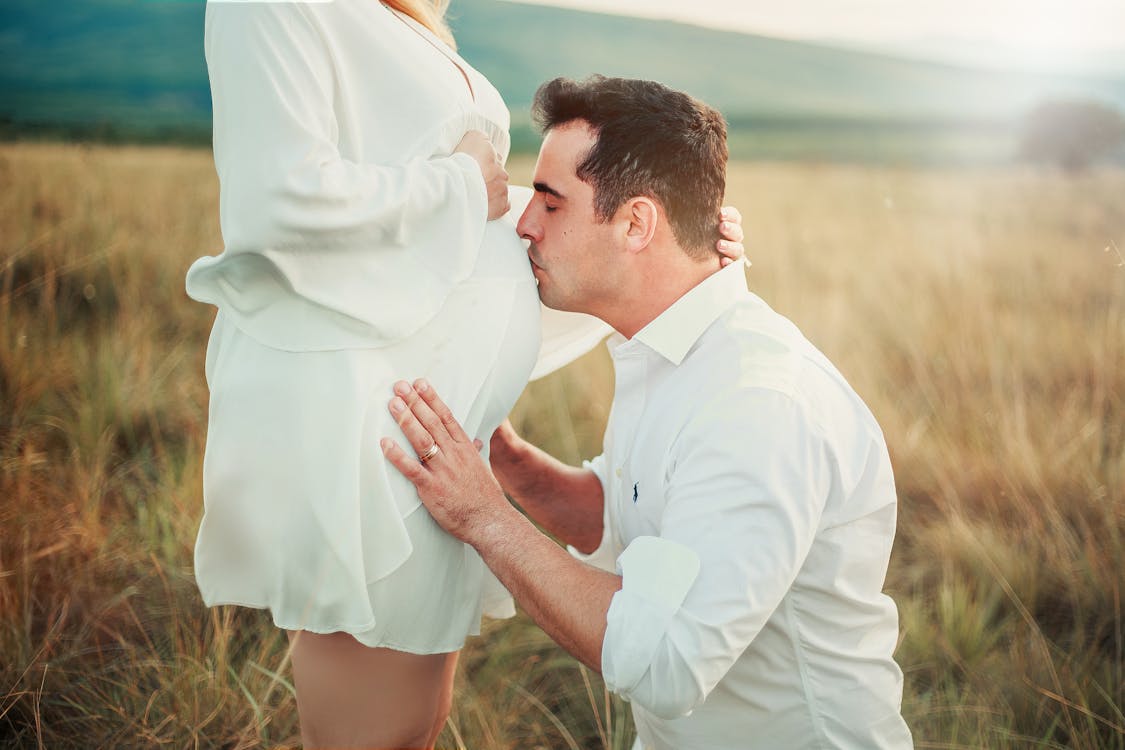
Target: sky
{"type": "Point", "coordinates": [1023, 33]}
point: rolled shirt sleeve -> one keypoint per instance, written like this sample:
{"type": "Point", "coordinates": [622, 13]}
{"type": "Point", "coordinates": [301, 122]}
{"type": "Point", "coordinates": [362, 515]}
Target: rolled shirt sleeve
{"type": "Point", "coordinates": [300, 221]}
{"type": "Point", "coordinates": [745, 491]}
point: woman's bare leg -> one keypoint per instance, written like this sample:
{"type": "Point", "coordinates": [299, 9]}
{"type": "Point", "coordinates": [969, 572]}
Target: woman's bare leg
{"type": "Point", "coordinates": [353, 696]}
{"type": "Point", "coordinates": [445, 696]}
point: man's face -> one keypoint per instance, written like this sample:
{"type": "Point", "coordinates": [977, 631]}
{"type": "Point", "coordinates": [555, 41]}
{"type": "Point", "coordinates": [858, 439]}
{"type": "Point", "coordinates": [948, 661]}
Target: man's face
{"type": "Point", "coordinates": [572, 253]}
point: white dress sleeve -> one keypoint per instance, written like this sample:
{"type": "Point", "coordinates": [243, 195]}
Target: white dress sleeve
{"type": "Point", "coordinates": [321, 252]}
{"type": "Point", "coordinates": [566, 336]}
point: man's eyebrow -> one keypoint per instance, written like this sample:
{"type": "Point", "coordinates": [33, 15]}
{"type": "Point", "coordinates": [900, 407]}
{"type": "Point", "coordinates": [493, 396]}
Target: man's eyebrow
{"type": "Point", "coordinates": [542, 187]}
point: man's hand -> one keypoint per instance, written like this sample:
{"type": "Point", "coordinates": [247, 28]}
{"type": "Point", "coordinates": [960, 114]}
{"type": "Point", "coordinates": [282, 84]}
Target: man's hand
{"type": "Point", "coordinates": [452, 481]}
{"type": "Point", "coordinates": [730, 228]}
{"type": "Point", "coordinates": [477, 145]}
{"type": "Point", "coordinates": [565, 500]}
{"type": "Point", "coordinates": [566, 598]}
{"type": "Point", "coordinates": [506, 454]}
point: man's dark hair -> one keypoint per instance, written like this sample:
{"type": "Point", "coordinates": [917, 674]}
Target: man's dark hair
{"type": "Point", "coordinates": [652, 141]}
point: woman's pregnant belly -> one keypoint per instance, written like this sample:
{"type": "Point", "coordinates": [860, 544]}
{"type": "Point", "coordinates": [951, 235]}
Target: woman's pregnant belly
{"type": "Point", "coordinates": [503, 266]}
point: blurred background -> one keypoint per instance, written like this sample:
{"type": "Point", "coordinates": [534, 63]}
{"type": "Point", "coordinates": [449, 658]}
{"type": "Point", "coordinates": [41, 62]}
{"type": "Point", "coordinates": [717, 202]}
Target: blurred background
{"type": "Point", "coordinates": [872, 80]}
{"type": "Point", "coordinates": [934, 193]}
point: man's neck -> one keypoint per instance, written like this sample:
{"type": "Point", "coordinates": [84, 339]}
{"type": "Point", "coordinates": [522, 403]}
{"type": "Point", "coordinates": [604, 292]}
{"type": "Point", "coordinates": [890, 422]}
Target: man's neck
{"type": "Point", "coordinates": [656, 288]}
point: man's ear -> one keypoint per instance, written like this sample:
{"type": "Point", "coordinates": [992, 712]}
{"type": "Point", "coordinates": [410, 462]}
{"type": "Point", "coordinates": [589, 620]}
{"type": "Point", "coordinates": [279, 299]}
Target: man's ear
{"type": "Point", "coordinates": [642, 216]}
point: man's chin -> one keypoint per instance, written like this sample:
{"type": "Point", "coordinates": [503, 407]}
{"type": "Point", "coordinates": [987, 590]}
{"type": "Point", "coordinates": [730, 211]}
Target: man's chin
{"type": "Point", "coordinates": [541, 282]}
{"type": "Point", "coordinates": [551, 301]}
{"type": "Point", "coordinates": [546, 292]}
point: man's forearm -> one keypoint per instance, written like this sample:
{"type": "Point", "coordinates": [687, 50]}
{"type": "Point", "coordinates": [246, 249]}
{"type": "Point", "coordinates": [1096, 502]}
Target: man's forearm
{"type": "Point", "coordinates": [566, 598]}
{"type": "Point", "coordinates": [565, 500]}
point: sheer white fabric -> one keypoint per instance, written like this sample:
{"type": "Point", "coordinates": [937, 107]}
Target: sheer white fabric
{"type": "Point", "coordinates": [356, 253]}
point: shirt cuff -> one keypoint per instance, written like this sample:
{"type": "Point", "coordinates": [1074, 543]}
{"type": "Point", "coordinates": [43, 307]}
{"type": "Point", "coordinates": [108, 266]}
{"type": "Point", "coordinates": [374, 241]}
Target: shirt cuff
{"type": "Point", "coordinates": [605, 556]}
{"type": "Point", "coordinates": [657, 575]}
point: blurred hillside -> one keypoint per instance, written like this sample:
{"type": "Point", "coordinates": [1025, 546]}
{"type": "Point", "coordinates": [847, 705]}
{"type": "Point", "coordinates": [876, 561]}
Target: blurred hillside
{"type": "Point", "coordinates": [134, 70]}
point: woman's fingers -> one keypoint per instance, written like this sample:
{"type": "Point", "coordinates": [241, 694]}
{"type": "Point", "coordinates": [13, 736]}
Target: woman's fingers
{"type": "Point", "coordinates": [731, 236]}
{"type": "Point", "coordinates": [477, 145]}
{"type": "Point", "coordinates": [443, 412]}
{"type": "Point", "coordinates": [731, 231]}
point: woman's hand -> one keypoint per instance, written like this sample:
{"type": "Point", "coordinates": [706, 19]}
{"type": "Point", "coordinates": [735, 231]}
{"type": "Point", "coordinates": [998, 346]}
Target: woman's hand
{"type": "Point", "coordinates": [477, 145]}
{"type": "Point", "coordinates": [445, 466]}
{"type": "Point", "coordinates": [730, 229]}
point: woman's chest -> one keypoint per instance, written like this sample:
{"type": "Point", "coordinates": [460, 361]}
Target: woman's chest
{"type": "Point", "coordinates": [401, 94]}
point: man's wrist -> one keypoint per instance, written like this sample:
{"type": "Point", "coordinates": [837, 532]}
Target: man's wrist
{"type": "Point", "coordinates": [494, 527]}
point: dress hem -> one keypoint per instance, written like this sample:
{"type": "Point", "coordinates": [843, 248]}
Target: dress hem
{"type": "Point", "coordinates": [354, 632]}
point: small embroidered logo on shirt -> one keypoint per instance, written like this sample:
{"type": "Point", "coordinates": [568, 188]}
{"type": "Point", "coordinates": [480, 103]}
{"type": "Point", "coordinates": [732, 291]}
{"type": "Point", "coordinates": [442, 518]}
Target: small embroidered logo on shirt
{"type": "Point", "coordinates": [635, 493]}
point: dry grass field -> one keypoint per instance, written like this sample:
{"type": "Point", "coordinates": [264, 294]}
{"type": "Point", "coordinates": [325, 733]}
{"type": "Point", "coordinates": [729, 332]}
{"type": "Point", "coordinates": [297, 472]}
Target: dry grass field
{"type": "Point", "coordinates": [979, 313]}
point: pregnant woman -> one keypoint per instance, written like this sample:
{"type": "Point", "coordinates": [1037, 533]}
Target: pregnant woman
{"type": "Point", "coordinates": [364, 212]}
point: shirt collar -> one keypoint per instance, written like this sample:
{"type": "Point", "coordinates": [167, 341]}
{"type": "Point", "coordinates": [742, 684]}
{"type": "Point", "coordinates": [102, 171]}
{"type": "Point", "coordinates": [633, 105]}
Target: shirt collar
{"type": "Point", "coordinates": [673, 333]}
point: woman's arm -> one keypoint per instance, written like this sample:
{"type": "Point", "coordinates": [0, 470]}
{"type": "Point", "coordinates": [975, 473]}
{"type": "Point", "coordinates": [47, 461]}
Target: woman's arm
{"type": "Point", "coordinates": [283, 179]}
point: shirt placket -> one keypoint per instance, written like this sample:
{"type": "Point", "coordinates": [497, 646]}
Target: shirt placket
{"type": "Point", "coordinates": [629, 403]}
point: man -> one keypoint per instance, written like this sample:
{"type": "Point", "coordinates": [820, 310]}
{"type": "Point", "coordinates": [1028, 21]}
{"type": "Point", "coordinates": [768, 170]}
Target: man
{"type": "Point", "coordinates": [743, 509]}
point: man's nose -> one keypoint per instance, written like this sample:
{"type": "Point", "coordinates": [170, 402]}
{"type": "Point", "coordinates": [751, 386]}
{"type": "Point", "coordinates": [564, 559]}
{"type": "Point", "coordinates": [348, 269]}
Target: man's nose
{"type": "Point", "coordinates": [527, 227]}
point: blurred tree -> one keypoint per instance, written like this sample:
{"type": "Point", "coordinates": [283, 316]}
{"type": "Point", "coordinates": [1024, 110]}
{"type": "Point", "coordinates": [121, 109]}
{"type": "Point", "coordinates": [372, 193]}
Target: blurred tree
{"type": "Point", "coordinates": [1072, 133]}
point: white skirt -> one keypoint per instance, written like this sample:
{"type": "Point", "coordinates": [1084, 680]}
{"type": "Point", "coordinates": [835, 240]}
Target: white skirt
{"type": "Point", "coordinates": [302, 514]}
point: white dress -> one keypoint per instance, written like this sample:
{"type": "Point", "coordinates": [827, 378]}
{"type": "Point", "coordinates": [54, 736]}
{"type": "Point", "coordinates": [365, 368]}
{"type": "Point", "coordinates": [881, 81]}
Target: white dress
{"type": "Point", "coordinates": [356, 254]}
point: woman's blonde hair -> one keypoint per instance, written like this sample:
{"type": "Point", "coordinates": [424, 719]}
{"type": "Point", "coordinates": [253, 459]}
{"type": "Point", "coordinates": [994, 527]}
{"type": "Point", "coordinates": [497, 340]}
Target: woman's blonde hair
{"type": "Point", "coordinates": [429, 13]}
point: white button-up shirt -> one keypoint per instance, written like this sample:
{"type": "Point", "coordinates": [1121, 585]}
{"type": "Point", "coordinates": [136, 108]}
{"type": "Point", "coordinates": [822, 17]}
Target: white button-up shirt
{"type": "Point", "coordinates": [750, 508]}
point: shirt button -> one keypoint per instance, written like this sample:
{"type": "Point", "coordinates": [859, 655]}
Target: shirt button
{"type": "Point", "coordinates": [618, 472]}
